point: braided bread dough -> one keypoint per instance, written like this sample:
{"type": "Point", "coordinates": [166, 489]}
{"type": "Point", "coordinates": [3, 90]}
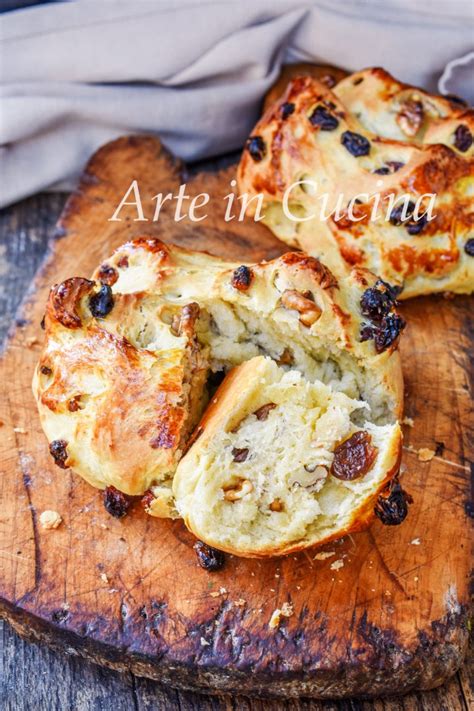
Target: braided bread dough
{"type": "Point", "coordinates": [370, 135]}
{"type": "Point", "coordinates": [121, 381]}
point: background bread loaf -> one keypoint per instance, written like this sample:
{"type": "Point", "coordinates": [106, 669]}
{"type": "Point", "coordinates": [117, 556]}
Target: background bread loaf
{"type": "Point", "coordinates": [370, 136]}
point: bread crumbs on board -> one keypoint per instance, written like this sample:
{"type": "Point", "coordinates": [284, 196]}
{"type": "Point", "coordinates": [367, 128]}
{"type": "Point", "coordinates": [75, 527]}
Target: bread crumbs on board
{"type": "Point", "coordinates": [324, 554]}
{"type": "Point", "coordinates": [286, 610]}
{"type": "Point", "coordinates": [337, 564]}
{"type": "Point", "coordinates": [425, 454]}
{"type": "Point", "coordinates": [50, 519]}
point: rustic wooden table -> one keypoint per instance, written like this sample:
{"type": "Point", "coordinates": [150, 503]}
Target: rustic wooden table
{"type": "Point", "coordinates": [32, 677]}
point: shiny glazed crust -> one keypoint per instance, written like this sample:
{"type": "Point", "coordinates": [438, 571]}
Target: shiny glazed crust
{"type": "Point", "coordinates": [409, 133]}
{"type": "Point", "coordinates": [119, 402]}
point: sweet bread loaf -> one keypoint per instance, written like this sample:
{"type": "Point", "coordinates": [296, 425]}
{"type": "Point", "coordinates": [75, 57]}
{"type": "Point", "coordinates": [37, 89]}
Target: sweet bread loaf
{"type": "Point", "coordinates": [121, 380]}
{"type": "Point", "coordinates": [119, 384]}
{"type": "Point", "coordinates": [329, 154]}
{"type": "Point", "coordinates": [278, 464]}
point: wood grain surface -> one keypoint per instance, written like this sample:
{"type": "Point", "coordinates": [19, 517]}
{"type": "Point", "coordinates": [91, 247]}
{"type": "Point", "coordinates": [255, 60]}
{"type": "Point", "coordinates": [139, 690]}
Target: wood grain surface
{"type": "Point", "coordinates": [393, 618]}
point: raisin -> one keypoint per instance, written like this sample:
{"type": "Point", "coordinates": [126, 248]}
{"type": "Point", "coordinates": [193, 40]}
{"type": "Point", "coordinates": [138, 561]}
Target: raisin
{"type": "Point", "coordinates": [401, 213]}
{"type": "Point", "coordinates": [384, 333]}
{"type": "Point", "coordinates": [469, 247]}
{"type": "Point", "coordinates": [392, 506]}
{"type": "Point", "coordinates": [462, 138]}
{"type": "Point", "coordinates": [391, 166]}
{"type": "Point", "coordinates": [263, 412]}
{"type": "Point", "coordinates": [242, 278]}
{"type": "Point", "coordinates": [286, 110]}
{"type": "Point", "coordinates": [43, 322]}
{"type": "Point", "coordinates": [108, 275]}
{"type": "Point", "coordinates": [45, 370]}
{"type": "Point", "coordinates": [414, 227]}
{"type": "Point", "coordinates": [375, 303]}
{"type": "Point", "coordinates": [60, 616]}
{"type": "Point", "coordinates": [116, 502]}
{"type": "Point", "coordinates": [256, 147]}
{"type": "Point", "coordinates": [354, 457]}
{"type": "Point", "coordinates": [387, 333]}
{"type": "Point", "coordinates": [393, 289]}
{"type": "Point", "coordinates": [101, 303]}
{"type": "Point", "coordinates": [123, 262]}
{"type": "Point", "coordinates": [240, 455]}
{"type": "Point", "coordinates": [209, 558]}
{"type": "Point", "coordinates": [404, 214]}
{"type": "Point", "coordinates": [322, 118]}
{"type": "Point", "coordinates": [74, 404]}
{"type": "Point", "coordinates": [147, 499]}
{"type": "Point", "coordinates": [356, 144]}
{"type": "Point", "coordinates": [58, 451]}
{"type": "Point", "coordinates": [367, 332]}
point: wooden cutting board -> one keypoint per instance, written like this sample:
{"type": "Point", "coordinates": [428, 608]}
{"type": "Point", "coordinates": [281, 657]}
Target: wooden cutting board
{"type": "Point", "coordinates": [129, 593]}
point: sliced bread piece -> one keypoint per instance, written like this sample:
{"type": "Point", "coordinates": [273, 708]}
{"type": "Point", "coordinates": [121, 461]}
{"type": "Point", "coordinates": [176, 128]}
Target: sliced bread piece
{"type": "Point", "coordinates": [278, 464]}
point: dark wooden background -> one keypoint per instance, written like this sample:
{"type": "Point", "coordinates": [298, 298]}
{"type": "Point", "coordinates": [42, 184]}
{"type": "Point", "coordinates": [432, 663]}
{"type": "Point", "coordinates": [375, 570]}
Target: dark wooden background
{"type": "Point", "coordinates": [32, 677]}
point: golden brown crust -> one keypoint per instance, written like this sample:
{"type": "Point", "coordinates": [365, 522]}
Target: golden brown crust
{"type": "Point", "coordinates": [120, 405]}
{"type": "Point", "coordinates": [402, 112]}
{"type": "Point", "coordinates": [425, 258]}
{"type": "Point", "coordinates": [325, 73]}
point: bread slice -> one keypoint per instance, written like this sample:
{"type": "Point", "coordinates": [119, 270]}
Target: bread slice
{"type": "Point", "coordinates": [278, 464]}
{"type": "Point", "coordinates": [366, 150]}
{"type": "Point", "coordinates": [120, 384]}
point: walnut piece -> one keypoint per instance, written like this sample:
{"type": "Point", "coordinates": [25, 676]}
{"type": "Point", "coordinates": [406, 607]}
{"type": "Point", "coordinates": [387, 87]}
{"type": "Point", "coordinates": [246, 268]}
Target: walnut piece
{"type": "Point", "coordinates": [410, 117]}
{"type": "Point", "coordinates": [238, 491]}
{"type": "Point", "coordinates": [308, 310]}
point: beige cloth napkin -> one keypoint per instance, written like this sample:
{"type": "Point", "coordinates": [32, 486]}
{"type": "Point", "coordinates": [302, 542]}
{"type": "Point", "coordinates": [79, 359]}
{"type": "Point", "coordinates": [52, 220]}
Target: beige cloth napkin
{"type": "Point", "coordinates": [74, 75]}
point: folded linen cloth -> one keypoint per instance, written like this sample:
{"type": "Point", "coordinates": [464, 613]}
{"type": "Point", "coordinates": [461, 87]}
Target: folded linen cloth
{"type": "Point", "coordinates": [74, 75]}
